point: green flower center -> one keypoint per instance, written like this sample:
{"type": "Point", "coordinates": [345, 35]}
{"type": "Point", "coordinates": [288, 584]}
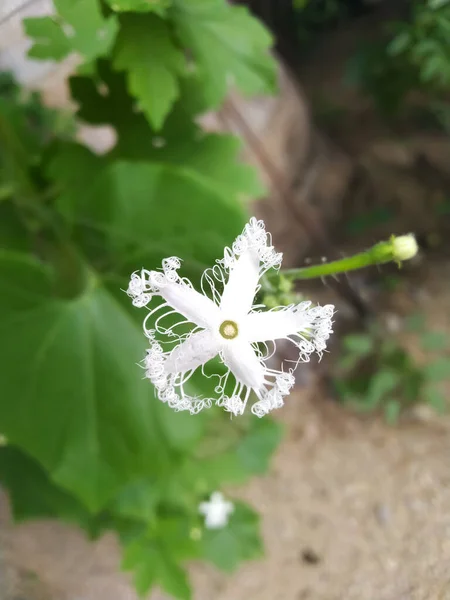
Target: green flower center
{"type": "Point", "coordinates": [229, 330]}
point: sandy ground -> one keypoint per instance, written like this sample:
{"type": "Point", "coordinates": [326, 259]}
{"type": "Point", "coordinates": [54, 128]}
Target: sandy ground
{"type": "Point", "coordinates": [351, 510]}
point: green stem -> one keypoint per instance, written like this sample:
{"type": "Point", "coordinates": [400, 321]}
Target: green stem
{"type": "Point", "coordinates": [358, 261]}
{"type": "Point", "coordinates": [396, 249]}
{"type": "Point", "coordinates": [15, 157]}
{"type": "Point", "coordinates": [29, 201]}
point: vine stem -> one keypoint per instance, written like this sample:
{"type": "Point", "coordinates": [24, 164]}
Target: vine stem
{"type": "Point", "coordinates": [396, 249]}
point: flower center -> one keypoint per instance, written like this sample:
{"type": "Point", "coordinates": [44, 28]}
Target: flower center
{"type": "Point", "coordinates": [229, 330]}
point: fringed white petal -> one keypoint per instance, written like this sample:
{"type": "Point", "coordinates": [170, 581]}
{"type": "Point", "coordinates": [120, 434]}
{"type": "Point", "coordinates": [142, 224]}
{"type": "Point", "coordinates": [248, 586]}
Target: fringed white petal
{"type": "Point", "coordinates": [177, 292]}
{"type": "Point", "coordinates": [197, 350]}
{"type": "Point", "coordinates": [313, 322]}
{"type": "Point", "coordinates": [274, 397]}
{"type": "Point", "coordinates": [240, 289]}
{"type": "Point", "coordinates": [191, 304]}
{"type": "Point", "coordinates": [170, 386]}
{"type": "Point", "coordinates": [250, 256]}
{"type": "Point", "coordinates": [272, 325]}
{"type": "Point", "coordinates": [241, 359]}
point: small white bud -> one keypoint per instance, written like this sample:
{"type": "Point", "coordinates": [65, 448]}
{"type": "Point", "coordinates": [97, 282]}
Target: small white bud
{"type": "Point", "coordinates": [404, 247]}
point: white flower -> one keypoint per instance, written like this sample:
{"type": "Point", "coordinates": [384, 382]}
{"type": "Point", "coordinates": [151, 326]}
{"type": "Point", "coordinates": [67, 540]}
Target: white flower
{"type": "Point", "coordinates": [216, 511]}
{"type": "Point", "coordinates": [225, 323]}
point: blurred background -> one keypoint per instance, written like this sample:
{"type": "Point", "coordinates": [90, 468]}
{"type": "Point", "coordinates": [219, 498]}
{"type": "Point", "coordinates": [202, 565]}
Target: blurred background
{"type": "Point", "coordinates": [347, 489]}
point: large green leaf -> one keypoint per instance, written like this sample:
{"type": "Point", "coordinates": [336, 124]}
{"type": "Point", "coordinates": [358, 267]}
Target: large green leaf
{"type": "Point", "coordinates": [154, 558]}
{"type": "Point", "coordinates": [33, 495]}
{"type": "Point", "coordinates": [230, 46]}
{"type": "Point", "coordinates": [79, 26]}
{"type": "Point", "coordinates": [72, 396]}
{"type": "Point", "coordinates": [214, 156]}
{"type": "Point", "coordinates": [138, 501]}
{"type": "Point", "coordinates": [145, 212]}
{"type": "Point", "coordinates": [145, 50]}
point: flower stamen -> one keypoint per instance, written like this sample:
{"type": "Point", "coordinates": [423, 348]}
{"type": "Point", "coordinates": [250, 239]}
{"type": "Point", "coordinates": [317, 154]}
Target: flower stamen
{"type": "Point", "coordinates": [229, 330]}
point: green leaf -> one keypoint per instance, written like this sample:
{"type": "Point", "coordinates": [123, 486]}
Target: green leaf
{"type": "Point", "coordinates": [237, 541]}
{"type": "Point", "coordinates": [436, 399]}
{"type": "Point", "coordinates": [78, 27]}
{"type": "Point", "coordinates": [78, 356]}
{"type": "Point", "coordinates": [230, 46]}
{"type": "Point", "coordinates": [169, 208]}
{"type": "Point", "coordinates": [175, 535]}
{"type": "Point", "coordinates": [145, 50]}
{"type": "Point", "coordinates": [198, 476]}
{"type": "Point", "coordinates": [432, 67]}
{"type": "Point", "coordinates": [300, 4]}
{"type": "Point", "coordinates": [438, 370]}
{"type": "Point", "coordinates": [181, 142]}
{"type": "Point", "coordinates": [399, 44]}
{"type": "Point", "coordinates": [358, 344]}
{"type": "Point", "coordinates": [214, 156]}
{"type": "Point", "coordinates": [50, 41]}
{"type": "Point", "coordinates": [138, 500]}
{"type": "Point", "coordinates": [383, 382]}
{"type": "Point", "coordinates": [412, 383]}
{"type": "Point", "coordinates": [34, 496]}
{"type": "Point", "coordinates": [157, 6]}
{"type": "Point", "coordinates": [434, 340]}
{"type": "Point", "coordinates": [181, 430]}
{"type": "Point", "coordinates": [435, 4]}
{"type": "Point", "coordinates": [225, 468]}
{"type": "Point", "coordinates": [153, 564]}
{"type": "Point", "coordinates": [71, 165]}
{"type": "Point", "coordinates": [256, 449]}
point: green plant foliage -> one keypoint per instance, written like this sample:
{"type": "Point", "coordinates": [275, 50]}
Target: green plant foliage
{"type": "Point", "coordinates": [229, 46]}
{"type": "Point", "coordinates": [227, 547]}
{"type": "Point", "coordinates": [180, 142]}
{"type": "Point", "coordinates": [414, 56]}
{"type": "Point", "coordinates": [145, 50]}
{"type": "Point", "coordinates": [153, 558]}
{"type": "Point", "coordinates": [378, 374]}
{"type": "Point", "coordinates": [144, 232]}
{"type": "Point", "coordinates": [77, 27]}
{"type": "Point", "coordinates": [434, 340]}
{"type": "Point", "coordinates": [140, 6]}
{"type": "Point", "coordinates": [86, 440]}
{"type": "Point", "coordinates": [26, 479]}
{"type": "Point", "coordinates": [317, 16]}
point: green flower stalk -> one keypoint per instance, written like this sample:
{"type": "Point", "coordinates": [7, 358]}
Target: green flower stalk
{"type": "Point", "coordinates": [396, 249]}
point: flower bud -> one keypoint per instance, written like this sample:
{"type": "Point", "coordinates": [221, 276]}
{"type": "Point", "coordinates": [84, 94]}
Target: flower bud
{"type": "Point", "coordinates": [404, 247]}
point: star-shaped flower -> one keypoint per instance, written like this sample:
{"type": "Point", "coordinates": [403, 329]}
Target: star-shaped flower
{"type": "Point", "coordinates": [216, 511]}
{"type": "Point", "coordinates": [228, 325]}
